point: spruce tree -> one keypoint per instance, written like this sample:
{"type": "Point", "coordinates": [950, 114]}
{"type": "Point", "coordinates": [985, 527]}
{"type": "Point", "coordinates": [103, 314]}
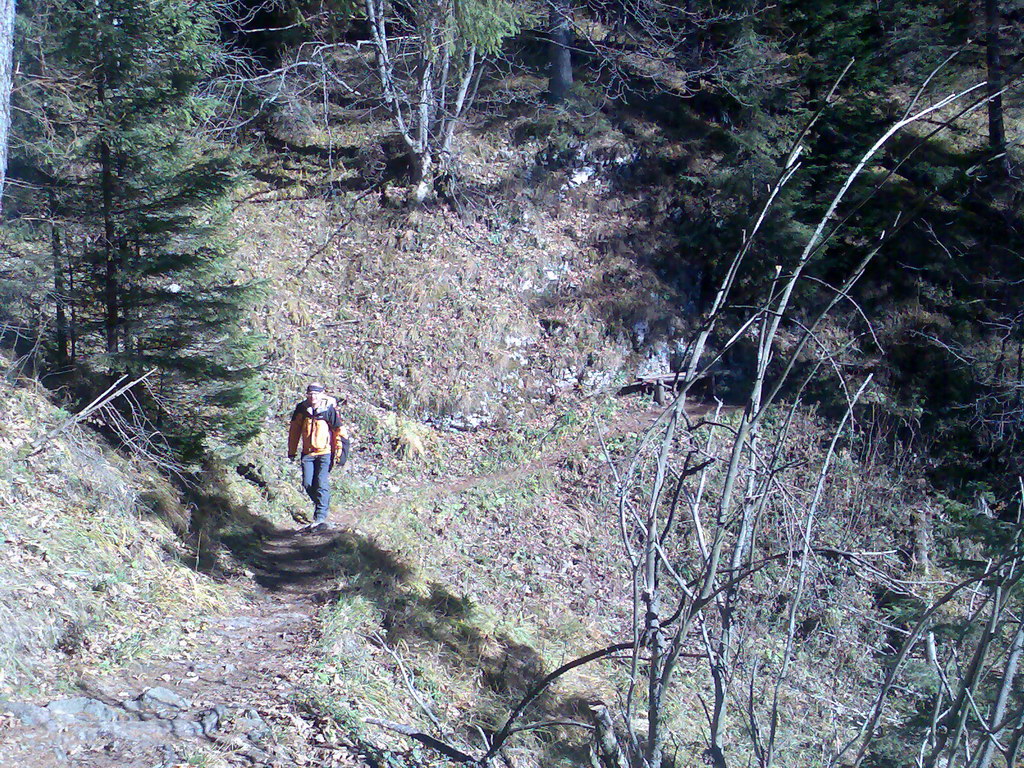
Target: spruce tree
{"type": "Point", "coordinates": [137, 195]}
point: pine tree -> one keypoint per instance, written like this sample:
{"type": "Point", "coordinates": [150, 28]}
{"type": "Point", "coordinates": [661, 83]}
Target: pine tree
{"type": "Point", "coordinates": [137, 197]}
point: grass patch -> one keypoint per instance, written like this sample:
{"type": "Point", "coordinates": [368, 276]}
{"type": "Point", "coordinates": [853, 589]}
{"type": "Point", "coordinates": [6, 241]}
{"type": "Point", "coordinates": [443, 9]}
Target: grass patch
{"type": "Point", "coordinates": [91, 575]}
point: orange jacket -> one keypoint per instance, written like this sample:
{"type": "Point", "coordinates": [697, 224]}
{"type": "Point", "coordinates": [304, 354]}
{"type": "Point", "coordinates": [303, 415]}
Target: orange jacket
{"type": "Point", "coordinates": [318, 432]}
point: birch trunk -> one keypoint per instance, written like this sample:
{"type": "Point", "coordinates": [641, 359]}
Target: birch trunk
{"type": "Point", "coordinates": [7, 11]}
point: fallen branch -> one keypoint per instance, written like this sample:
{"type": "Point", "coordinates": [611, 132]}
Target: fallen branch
{"type": "Point", "coordinates": [112, 392]}
{"type": "Point", "coordinates": [424, 705]}
{"type": "Point", "coordinates": [539, 688]}
{"type": "Point", "coordinates": [424, 738]}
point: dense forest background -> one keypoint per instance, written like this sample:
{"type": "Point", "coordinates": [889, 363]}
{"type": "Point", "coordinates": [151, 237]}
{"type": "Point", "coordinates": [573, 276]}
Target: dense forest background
{"type": "Point", "coordinates": [797, 225]}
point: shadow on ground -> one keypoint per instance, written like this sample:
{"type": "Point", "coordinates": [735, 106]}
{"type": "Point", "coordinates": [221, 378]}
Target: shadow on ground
{"type": "Point", "coordinates": [322, 567]}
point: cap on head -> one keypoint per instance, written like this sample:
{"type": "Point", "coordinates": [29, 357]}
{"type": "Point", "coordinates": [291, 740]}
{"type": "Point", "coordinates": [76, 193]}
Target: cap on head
{"type": "Point", "coordinates": [314, 388]}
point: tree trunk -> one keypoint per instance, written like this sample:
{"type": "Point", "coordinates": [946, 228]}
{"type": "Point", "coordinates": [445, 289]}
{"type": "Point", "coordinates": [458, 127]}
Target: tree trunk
{"type": "Point", "coordinates": [59, 292]}
{"type": "Point", "coordinates": [921, 532]}
{"type": "Point", "coordinates": [423, 178]}
{"type": "Point", "coordinates": [110, 251]}
{"type": "Point", "coordinates": [996, 130]}
{"type": "Point", "coordinates": [716, 742]}
{"type": "Point", "coordinates": [7, 8]}
{"type": "Point", "coordinates": [560, 34]}
{"type": "Point", "coordinates": [996, 724]}
{"type": "Point", "coordinates": [110, 246]}
{"type": "Point", "coordinates": [605, 749]}
{"type": "Point", "coordinates": [655, 693]}
{"type": "Point", "coordinates": [73, 311]}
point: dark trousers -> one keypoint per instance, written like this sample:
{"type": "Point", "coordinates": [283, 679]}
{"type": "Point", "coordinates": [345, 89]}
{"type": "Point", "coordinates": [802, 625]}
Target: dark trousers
{"type": "Point", "coordinates": [317, 483]}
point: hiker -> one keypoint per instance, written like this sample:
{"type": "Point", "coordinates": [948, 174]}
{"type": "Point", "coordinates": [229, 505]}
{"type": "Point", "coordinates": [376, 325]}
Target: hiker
{"type": "Point", "coordinates": [316, 425]}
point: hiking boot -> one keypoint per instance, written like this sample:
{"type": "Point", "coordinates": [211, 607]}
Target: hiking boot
{"type": "Point", "coordinates": [322, 525]}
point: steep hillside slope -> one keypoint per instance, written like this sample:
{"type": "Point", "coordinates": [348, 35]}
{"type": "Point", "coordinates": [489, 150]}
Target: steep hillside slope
{"type": "Point", "coordinates": [475, 346]}
{"type": "Point", "coordinates": [92, 569]}
{"type": "Point", "coordinates": [538, 286]}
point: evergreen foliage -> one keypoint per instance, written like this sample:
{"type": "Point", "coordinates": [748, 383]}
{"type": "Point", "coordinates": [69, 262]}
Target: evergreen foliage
{"type": "Point", "coordinates": [487, 24]}
{"type": "Point", "coordinates": [123, 195]}
{"type": "Point", "coordinates": [268, 29]}
{"type": "Point", "coordinates": [136, 196]}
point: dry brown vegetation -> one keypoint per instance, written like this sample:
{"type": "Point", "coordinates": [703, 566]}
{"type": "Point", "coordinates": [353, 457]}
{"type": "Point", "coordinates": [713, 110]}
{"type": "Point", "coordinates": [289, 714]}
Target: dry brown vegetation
{"type": "Point", "coordinates": [93, 572]}
{"type": "Point", "coordinates": [475, 347]}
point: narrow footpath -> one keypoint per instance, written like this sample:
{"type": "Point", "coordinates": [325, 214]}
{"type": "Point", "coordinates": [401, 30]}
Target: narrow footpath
{"type": "Point", "coordinates": [239, 692]}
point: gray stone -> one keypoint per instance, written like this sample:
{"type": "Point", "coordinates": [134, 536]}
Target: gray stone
{"type": "Point", "coordinates": [186, 729]}
{"type": "Point", "coordinates": [70, 707]}
{"type": "Point", "coordinates": [132, 705]}
{"type": "Point", "coordinates": [84, 707]}
{"type": "Point", "coordinates": [27, 714]}
{"type": "Point", "coordinates": [159, 699]}
{"type": "Point", "coordinates": [60, 754]}
{"type": "Point", "coordinates": [254, 726]}
{"type": "Point", "coordinates": [170, 757]}
{"type": "Point", "coordinates": [210, 719]}
{"type": "Point", "coordinates": [100, 712]}
{"type": "Point", "coordinates": [153, 730]}
{"type": "Point", "coordinates": [87, 735]}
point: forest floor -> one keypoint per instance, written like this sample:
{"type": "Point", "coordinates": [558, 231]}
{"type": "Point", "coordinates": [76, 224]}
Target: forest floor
{"type": "Point", "coordinates": [240, 691]}
{"type": "Point", "coordinates": [234, 691]}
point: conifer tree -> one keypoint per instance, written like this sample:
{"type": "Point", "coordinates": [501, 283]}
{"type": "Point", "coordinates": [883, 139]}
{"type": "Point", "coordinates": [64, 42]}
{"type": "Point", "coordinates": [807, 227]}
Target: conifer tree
{"type": "Point", "coordinates": [137, 195]}
{"type": "Point", "coordinates": [560, 62]}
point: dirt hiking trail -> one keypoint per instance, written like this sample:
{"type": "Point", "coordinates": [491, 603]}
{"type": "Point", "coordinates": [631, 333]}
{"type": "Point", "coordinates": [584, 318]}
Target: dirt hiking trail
{"type": "Point", "coordinates": [236, 689]}
{"type": "Point", "coordinates": [240, 687]}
